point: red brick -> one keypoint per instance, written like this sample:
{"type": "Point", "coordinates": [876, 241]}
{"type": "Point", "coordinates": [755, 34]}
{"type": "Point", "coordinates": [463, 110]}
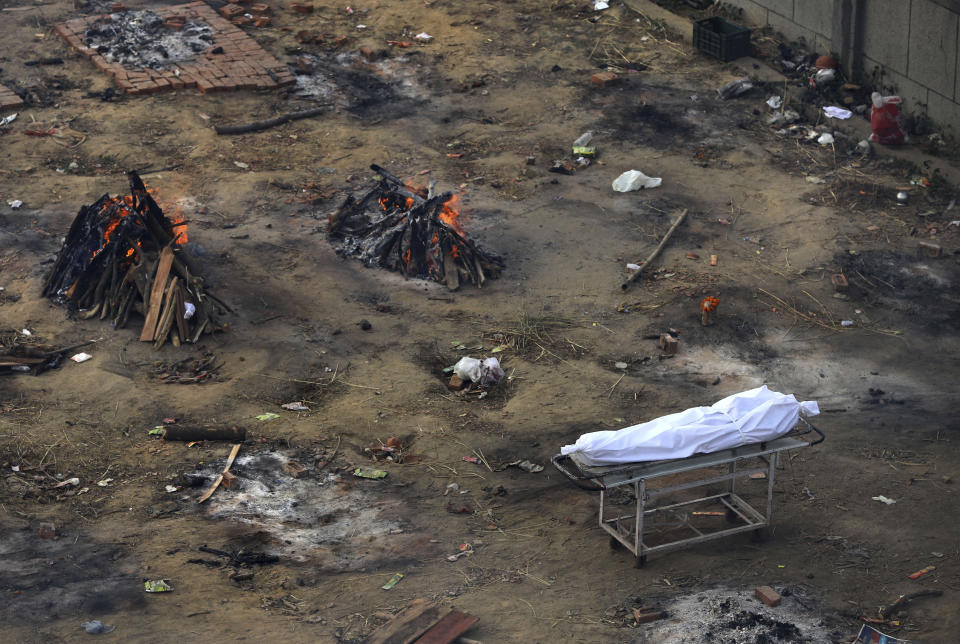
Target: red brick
{"type": "Point", "coordinates": [604, 79]}
{"type": "Point", "coordinates": [241, 21]}
{"type": "Point", "coordinates": [262, 21]}
{"type": "Point", "coordinates": [260, 8]}
{"type": "Point", "coordinates": [231, 10]}
{"type": "Point", "coordinates": [301, 7]}
{"type": "Point", "coordinates": [768, 596]}
{"type": "Point", "coordinates": [648, 616]}
{"type": "Point", "coordinates": [205, 85]}
{"type": "Point", "coordinates": [117, 7]}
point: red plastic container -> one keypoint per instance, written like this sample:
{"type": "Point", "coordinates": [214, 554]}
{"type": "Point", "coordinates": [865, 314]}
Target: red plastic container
{"type": "Point", "coordinates": [885, 120]}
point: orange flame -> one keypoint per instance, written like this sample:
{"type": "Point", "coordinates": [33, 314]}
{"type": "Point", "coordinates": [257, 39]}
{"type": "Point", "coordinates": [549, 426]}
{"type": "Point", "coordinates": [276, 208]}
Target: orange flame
{"type": "Point", "coordinates": [450, 214]}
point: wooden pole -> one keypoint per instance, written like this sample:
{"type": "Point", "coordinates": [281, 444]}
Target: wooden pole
{"type": "Point", "coordinates": [656, 252]}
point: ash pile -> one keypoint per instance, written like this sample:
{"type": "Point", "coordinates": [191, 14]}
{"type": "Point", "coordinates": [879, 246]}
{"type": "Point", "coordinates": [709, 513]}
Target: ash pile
{"type": "Point", "coordinates": [121, 256]}
{"type": "Point", "coordinates": [411, 231]}
{"type": "Point", "coordinates": [143, 39]}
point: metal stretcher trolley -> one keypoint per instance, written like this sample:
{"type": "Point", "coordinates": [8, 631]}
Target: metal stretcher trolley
{"type": "Point", "coordinates": [740, 462]}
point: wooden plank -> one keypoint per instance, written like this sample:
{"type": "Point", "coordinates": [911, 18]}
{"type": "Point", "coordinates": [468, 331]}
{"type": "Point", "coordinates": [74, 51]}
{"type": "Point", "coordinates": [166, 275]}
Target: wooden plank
{"type": "Point", "coordinates": [409, 625]}
{"type": "Point", "coordinates": [216, 484]}
{"type": "Point", "coordinates": [166, 318]}
{"type": "Point", "coordinates": [156, 295]}
{"type": "Point", "coordinates": [448, 629]}
{"type": "Point", "coordinates": [180, 312]}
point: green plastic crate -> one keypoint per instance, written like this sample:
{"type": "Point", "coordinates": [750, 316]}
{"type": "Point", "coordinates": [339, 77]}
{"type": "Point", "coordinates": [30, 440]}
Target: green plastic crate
{"type": "Point", "coordinates": [721, 39]}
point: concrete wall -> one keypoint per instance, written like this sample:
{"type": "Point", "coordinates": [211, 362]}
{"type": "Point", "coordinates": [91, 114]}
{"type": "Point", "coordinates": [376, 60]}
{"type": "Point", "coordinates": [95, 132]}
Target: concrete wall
{"type": "Point", "coordinates": [907, 46]}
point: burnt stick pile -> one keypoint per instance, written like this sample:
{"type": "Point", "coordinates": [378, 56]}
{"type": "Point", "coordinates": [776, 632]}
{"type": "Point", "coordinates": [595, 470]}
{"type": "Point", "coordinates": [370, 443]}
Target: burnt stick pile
{"type": "Point", "coordinates": [407, 230]}
{"type": "Point", "coordinates": [122, 255]}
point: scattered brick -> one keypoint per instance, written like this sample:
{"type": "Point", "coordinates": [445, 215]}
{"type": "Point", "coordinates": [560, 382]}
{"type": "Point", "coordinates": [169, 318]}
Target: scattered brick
{"type": "Point", "coordinates": [301, 7]}
{"type": "Point", "coordinates": [231, 10]}
{"type": "Point", "coordinates": [648, 616]}
{"type": "Point", "coordinates": [8, 99]}
{"type": "Point", "coordinates": [369, 54]}
{"type": "Point", "coordinates": [259, 8]}
{"type": "Point", "coordinates": [261, 21]}
{"type": "Point", "coordinates": [929, 249]}
{"type": "Point", "coordinates": [230, 480]}
{"type": "Point", "coordinates": [604, 79]}
{"type": "Point", "coordinates": [117, 7]}
{"type": "Point", "coordinates": [47, 531]}
{"type": "Point", "coordinates": [241, 21]}
{"type": "Point", "coordinates": [840, 282]}
{"type": "Point", "coordinates": [669, 344]}
{"type": "Point", "coordinates": [768, 596]}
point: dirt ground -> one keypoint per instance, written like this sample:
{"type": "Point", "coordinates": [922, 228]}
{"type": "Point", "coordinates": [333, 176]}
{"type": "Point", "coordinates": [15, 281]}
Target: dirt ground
{"type": "Point", "coordinates": [498, 83]}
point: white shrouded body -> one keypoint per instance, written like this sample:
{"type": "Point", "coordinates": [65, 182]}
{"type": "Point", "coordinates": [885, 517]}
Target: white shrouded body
{"type": "Point", "coordinates": [747, 417]}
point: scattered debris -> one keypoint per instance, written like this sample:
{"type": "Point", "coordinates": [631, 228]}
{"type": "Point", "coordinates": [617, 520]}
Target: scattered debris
{"type": "Point", "coordinates": [883, 499]}
{"type": "Point", "coordinates": [393, 581]}
{"type": "Point", "coordinates": [635, 180]}
{"type": "Point", "coordinates": [96, 627]}
{"type": "Point", "coordinates": [295, 406]}
{"type": "Point", "coordinates": [157, 586]}
{"type": "Point", "coordinates": [837, 112]}
{"type": "Point", "coordinates": [369, 473]}
{"type": "Point", "coordinates": [921, 573]}
{"type": "Point", "coordinates": [267, 416]}
{"type": "Point", "coordinates": [735, 88]}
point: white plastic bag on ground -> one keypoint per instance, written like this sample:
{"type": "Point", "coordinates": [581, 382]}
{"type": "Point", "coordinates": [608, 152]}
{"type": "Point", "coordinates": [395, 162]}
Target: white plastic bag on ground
{"type": "Point", "coordinates": [486, 372]}
{"type": "Point", "coordinates": [635, 180]}
{"type": "Point", "coordinates": [748, 417]}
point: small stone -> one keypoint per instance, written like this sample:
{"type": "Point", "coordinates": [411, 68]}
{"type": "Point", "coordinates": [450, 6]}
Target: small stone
{"type": "Point", "coordinates": [365, 325]}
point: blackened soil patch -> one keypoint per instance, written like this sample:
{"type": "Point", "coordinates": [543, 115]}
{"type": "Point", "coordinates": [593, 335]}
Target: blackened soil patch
{"type": "Point", "coordinates": [907, 283]}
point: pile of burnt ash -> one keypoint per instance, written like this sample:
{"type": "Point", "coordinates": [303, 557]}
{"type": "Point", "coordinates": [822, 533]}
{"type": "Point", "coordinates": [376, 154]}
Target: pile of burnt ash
{"type": "Point", "coordinates": [144, 39]}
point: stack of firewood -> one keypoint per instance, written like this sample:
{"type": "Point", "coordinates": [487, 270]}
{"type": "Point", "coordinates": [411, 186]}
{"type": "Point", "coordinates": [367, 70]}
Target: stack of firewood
{"type": "Point", "coordinates": [123, 256]}
{"type": "Point", "coordinates": [400, 228]}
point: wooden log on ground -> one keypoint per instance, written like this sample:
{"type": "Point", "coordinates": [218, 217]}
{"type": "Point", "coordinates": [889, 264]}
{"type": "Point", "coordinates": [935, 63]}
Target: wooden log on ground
{"type": "Point", "coordinates": [655, 253]}
{"type": "Point", "coordinates": [189, 433]}
{"type": "Point", "coordinates": [265, 124]}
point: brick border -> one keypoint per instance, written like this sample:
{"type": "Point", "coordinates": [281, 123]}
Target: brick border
{"type": "Point", "coordinates": [244, 64]}
{"type": "Point", "coordinates": [8, 99]}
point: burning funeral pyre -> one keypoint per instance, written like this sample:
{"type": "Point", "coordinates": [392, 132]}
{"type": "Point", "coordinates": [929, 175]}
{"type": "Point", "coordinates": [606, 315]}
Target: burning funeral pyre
{"type": "Point", "coordinates": [123, 255]}
{"type": "Point", "coordinates": [409, 230]}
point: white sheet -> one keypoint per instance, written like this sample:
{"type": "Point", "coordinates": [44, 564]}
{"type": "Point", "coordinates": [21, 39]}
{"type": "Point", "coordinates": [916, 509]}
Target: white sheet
{"type": "Point", "coordinates": [747, 417]}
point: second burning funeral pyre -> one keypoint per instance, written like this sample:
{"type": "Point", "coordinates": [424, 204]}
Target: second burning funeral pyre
{"type": "Point", "coordinates": [123, 255]}
{"type": "Point", "coordinates": [410, 231]}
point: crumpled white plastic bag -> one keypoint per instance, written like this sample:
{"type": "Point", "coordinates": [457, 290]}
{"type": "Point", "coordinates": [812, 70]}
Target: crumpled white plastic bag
{"type": "Point", "coordinates": [485, 372]}
{"type": "Point", "coordinates": [635, 180]}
